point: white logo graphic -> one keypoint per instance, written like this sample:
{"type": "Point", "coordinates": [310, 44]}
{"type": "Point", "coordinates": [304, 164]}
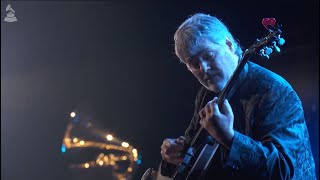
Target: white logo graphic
{"type": "Point", "coordinates": [10, 14]}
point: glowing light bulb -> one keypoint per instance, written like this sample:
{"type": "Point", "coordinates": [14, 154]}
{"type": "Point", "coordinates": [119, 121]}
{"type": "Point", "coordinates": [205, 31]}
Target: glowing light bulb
{"type": "Point", "coordinates": [86, 165]}
{"type": "Point", "coordinates": [73, 114]}
{"type": "Point", "coordinates": [134, 151]}
{"type": "Point", "coordinates": [129, 169]}
{"type": "Point", "coordinates": [125, 144]}
{"type": "Point", "coordinates": [74, 140]}
{"type": "Point", "coordinates": [81, 142]}
{"type": "Point", "coordinates": [109, 137]}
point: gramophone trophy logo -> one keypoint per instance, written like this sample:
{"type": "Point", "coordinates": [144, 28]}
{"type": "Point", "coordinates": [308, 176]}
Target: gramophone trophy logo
{"type": "Point", "coordinates": [10, 15]}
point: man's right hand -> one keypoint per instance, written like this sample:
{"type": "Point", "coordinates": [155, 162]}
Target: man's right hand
{"type": "Point", "coordinates": [171, 150]}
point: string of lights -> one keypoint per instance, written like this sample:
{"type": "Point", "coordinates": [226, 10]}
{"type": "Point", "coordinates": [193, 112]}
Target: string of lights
{"type": "Point", "coordinates": [113, 152]}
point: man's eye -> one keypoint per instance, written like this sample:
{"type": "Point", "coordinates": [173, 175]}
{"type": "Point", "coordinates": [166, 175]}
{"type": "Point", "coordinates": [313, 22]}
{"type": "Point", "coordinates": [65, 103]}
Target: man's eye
{"type": "Point", "coordinates": [210, 56]}
{"type": "Point", "coordinates": [194, 65]}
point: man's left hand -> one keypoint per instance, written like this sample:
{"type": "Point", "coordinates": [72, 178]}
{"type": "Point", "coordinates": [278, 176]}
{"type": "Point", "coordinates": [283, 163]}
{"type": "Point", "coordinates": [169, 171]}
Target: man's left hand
{"type": "Point", "coordinates": [218, 122]}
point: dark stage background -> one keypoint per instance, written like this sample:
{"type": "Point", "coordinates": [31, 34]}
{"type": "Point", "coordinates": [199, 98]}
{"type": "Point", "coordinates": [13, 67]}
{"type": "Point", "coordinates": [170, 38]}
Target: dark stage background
{"type": "Point", "coordinates": [115, 61]}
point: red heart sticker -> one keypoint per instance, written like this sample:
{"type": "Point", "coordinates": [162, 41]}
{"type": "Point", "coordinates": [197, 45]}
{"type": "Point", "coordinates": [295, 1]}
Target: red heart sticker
{"type": "Point", "coordinates": [268, 23]}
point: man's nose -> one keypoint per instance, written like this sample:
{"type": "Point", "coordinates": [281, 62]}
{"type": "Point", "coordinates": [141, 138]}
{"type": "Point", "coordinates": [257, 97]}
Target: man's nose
{"type": "Point", "coordinates": [204, 66]}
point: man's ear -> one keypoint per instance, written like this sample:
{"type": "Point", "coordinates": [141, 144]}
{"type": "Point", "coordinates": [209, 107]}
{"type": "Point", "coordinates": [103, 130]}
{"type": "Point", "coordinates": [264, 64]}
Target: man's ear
{"type": "Point", "coordinates": [230, 45]}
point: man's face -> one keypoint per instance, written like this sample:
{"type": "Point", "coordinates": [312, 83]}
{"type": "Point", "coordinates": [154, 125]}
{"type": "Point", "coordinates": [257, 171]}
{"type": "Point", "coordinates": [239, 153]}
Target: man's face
{"type": "Point", "coordinates": [212, 64]}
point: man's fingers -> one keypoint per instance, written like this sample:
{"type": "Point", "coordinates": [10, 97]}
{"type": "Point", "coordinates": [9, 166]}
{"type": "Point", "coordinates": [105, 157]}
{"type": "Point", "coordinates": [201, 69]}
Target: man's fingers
{"type": "Point", "coordinates": [211, 106]}
{"type": "Point", "coordinates": [163, 150]}
{"type": "Point", "coordinates": [202, 113]}
{"type": "Point", "coordinates": [215, 107]}
{"type": "Point", "coordinates": [227, 108]}
{"type": "Point", "coordinates": [173, 160]}
{"type": "Point", "coordinates": [182, 138]}
{"type": "Point", "coordinates": [172, 145]}
{"type": "Point", "coordinates": [167, 142]}
{"type": "Point", "coordinates": [171, 150]}
{"type": "Point", "coordinates": [170, 156]}
{"type": "Point", "coordinates": [180, 141]}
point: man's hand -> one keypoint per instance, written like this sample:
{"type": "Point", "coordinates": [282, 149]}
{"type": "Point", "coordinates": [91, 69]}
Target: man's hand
{"type": "Point", "coordinates": [171, 150]}
{"type": "Point", "coordinates": [219, 123]}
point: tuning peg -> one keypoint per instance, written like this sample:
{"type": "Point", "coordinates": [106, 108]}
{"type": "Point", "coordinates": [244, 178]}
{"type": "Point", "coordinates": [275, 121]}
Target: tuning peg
{"type": "Point", "coordinates": [265, 52]}
{"type": "Point", "coordinates": [281, 41]}
{"type": "Point", "coordinates": [265, 56]}
{"type": "Point", "coordinates": [268, 50]}
{"type": "Point", "coordinates": [275, 47]}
